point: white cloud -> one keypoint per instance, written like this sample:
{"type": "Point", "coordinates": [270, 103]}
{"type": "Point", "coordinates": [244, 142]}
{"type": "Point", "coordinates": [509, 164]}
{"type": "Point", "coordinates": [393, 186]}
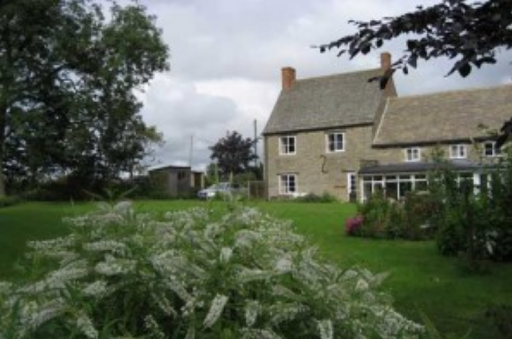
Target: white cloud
{"type": "Point", "coordinates": [226, 57]}
{"type": "Point", "coordinates": [185, 115]}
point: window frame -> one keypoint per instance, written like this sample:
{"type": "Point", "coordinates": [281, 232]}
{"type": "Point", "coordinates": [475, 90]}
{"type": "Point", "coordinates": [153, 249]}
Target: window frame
{"type": "Point", "coordinates": [284, 183]}
{"type": "Point", "coordinates": [334, 142]}
{"type": "Point", "coordinates": [410, 151]}
{"type": "Point", "coordinates": [351, 179]}
{"type": "Point", "coordinates": [284, 148]}
{"type": "Point", "coordinates": [496, 152]}
{"type": "Point", "coordinates": [457, 154]}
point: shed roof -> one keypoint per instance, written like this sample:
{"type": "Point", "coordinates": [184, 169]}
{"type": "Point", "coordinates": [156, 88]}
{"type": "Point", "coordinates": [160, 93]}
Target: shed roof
{"type": "Point", "coordinates": [168, 168]}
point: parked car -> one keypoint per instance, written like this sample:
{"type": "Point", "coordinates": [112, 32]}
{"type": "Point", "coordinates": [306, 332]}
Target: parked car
{"type": "Point", "coordinates": [216, 189]}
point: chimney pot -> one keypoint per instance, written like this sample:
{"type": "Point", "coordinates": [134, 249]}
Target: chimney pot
{"type": "Point", "coordinates": [385, 61]}
{"type": "Point", "coordinates": [288, 77]}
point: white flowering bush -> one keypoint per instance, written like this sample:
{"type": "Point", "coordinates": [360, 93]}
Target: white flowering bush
{"type": "Point", "coordinates": [119, 274]}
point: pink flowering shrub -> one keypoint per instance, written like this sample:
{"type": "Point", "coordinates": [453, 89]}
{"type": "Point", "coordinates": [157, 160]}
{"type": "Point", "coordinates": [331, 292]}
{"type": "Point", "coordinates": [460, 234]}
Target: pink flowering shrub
{"type": "Point", "coordinates": [353, 225]}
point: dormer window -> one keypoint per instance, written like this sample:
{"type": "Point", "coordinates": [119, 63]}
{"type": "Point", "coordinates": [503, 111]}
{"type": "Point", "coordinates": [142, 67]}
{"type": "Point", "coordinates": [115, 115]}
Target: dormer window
{"type": "Point", "coordinates": [458, 152]}
{"type": "Point", "coordinates": [412, 154]}
{"type": "Point", "coordinates": [287, 145]}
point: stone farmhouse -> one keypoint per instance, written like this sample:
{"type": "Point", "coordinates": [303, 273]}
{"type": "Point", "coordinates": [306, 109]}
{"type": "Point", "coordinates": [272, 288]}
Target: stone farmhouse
{"type": "Point", "coordinates": [343, 135]}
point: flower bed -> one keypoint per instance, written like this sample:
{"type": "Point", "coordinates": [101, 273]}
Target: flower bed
{"type": "Point", "coordinates": [189, 275]}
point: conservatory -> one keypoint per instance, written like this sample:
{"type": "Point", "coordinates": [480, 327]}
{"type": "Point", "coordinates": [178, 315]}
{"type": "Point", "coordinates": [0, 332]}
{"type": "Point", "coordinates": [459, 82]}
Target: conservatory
{"type": "Point", "coordinates": [395, 180]}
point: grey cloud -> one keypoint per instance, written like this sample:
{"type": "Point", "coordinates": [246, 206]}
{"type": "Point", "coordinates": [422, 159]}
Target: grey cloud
{"type": "Point", "coordinates": [228, 43]}
{"type": "Point", "coordinates": [178, 110]}
{"type": "Point", "coordinates": [225, 38]}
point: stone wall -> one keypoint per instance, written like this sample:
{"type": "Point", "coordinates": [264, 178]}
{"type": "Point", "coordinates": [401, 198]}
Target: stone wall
{"type": "Point", "coordinates": [319, 171]}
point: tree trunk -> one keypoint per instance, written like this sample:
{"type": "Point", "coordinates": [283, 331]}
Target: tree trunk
{"type": "Point", "coordinates": [2, 140]}
{"type": "Point", "coordinates": [3, 131]}
{"type": "Point", "coordinates": [2, 181]}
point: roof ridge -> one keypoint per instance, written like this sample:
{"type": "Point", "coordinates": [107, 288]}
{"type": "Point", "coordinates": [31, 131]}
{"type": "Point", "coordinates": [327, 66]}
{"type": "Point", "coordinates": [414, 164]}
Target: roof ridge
{"type": "Point", "coordinates": [381, 121]}
{"type": "Point", "coordinates": [447, 92]}
{"type": "Point", "coordinates": [337, 75]}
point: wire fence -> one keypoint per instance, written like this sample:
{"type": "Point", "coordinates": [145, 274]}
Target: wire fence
{"type": "Point", "coordinates": [256, 190]}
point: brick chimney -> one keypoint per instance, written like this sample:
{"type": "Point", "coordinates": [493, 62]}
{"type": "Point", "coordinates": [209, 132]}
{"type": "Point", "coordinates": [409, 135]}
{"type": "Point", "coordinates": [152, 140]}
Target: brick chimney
{"type": "Point", "coordinates": [385, 61]}
{"type": "Point", "coordinates": [288, 77]}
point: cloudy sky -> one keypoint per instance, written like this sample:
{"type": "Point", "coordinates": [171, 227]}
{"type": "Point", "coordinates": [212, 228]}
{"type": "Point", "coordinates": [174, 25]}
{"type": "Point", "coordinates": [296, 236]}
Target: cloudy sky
{"type": "Point", "coordinates": [226, 57]}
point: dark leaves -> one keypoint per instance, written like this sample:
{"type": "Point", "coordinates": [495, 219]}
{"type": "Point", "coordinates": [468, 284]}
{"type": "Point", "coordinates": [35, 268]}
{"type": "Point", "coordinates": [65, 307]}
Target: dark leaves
{"type": "Point", "coordinates": [506, 132]}
{"type": "Point", "coordinates": [457, 29]}
{"type": "Point", "coordinates": [464, 70]}
{"type": "Point", "coordinates": [366, 48]}
{"type": "Point", "coordinates": [411, 44]}
{"type": "Point", "coordinates": [353, 52]}
{"type": "Point", "coordinates": [461, 66]}
{"type": "Point", "coordinates": [73, 74]}
{"type": "Point", "coordinates": [413, 61]}
{"type": "Point", "coordinates": [484, 60]}
{"type": "Point", "coordinates": [233, 153]}
{"type": "Point", "coordinates": [383, 79]}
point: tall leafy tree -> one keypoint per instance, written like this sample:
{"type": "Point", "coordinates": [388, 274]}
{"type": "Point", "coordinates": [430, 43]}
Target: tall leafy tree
{"type": "Point", "coordinates": [233, 154]}
{"type": "Point", "coordinates": [67, 76]}
{"type": "Point", "coordinates": [469, 32]}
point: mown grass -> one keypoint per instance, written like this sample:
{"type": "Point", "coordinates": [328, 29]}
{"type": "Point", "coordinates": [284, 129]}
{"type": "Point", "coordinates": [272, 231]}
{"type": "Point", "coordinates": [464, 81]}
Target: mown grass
{"type": "Point", "coordinates": [420, 279]}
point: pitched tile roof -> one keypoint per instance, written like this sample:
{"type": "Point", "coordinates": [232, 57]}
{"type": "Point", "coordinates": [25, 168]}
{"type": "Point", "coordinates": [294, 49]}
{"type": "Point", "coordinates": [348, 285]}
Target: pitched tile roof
{"type": "Point", "coordinates": [443, 117]}
{"type": "Point", "coordinates": [326, 102]}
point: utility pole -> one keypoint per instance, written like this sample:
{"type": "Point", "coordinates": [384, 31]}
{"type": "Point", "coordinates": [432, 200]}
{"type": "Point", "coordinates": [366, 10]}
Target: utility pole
{"type": "Point", "coordinates": [191, 151]}
{"type": "Point", "coordinates": [256, 143]}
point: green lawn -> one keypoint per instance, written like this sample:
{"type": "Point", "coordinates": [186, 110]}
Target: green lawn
{"type": "Point", "coordinates": [420, 279]}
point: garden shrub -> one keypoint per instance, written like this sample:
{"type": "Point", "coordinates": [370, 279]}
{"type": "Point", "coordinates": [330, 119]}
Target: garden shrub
{"type": "Point", "coordinates": [376, 213]}
{"type": "Point", "coordinates": [72, 188]}
{"type": "Point", "coordinates": [353, 225]}
{"type": "Point", "coordinates": [43, 194]}
{"type": "Point", "coordinates": [9, 201]}
{"type": "Point", "coordinates": [466, 231]}
{"type": "Point", "coordinates": [395, 225]}
{"type": "Point", "coordinates": [475, 223]}
{"type": "Point", "coordinates": [499, 210]}
{"type": "Point", "coordinates": [390, 219]}
{"type": "Point", "coordinates": [450, 237]}
{"type": "Point", "coordinates": [415, 215]}
{"type": "Point", "coordinates": [326, 197]}
{"type": "Point", "coordinates": [501, 318]}
{"type": "Point", "coordinates": [190, 275]}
